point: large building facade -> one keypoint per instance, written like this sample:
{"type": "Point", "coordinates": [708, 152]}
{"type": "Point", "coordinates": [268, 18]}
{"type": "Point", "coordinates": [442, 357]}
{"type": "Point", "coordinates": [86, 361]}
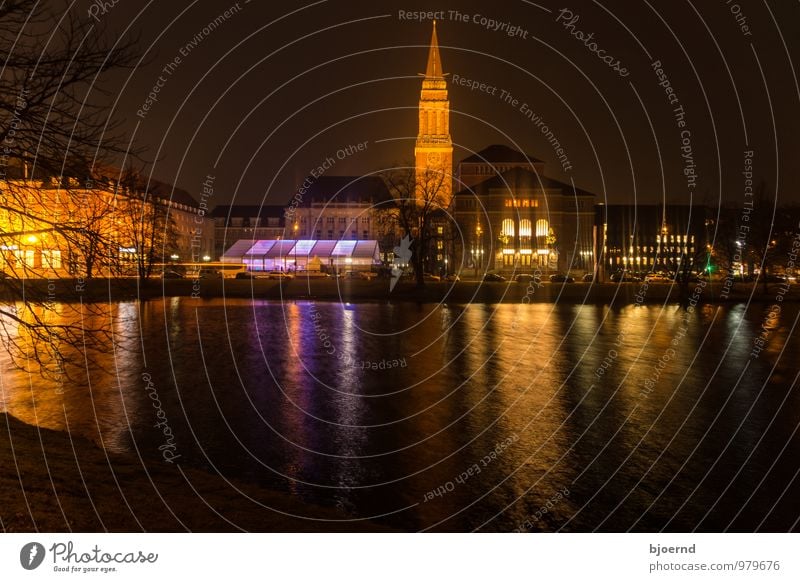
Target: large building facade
{"type": "Point", "coordinates": [340, 208]}
{"type": "Point", "coordinates": [65, 228]}
{"type": "Point", "coordinates": [513, 218]}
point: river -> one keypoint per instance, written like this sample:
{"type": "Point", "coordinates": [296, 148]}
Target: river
{"type": "Point", "coordinates": [532, 417]}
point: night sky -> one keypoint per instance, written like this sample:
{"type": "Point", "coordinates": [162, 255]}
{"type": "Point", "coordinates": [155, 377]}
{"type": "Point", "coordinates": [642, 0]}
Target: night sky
{"type": "Point", "coordinates": [277, 88]}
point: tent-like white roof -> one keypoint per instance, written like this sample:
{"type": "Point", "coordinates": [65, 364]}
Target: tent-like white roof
{"type": "Point", "coordinates": [323, 249]}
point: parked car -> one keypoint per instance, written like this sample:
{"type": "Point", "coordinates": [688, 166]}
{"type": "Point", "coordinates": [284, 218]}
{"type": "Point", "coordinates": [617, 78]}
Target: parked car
{"type": "Point", "coordinates": [588, 277]}
{"type": "Point", "coordinates": [452, 278]}
{"type": "Point", "coordinates": [431, 277]}
{"type": "Point", "coordinates": [210, 273]}
{"type": "Point", "coordinates": [368, 275]}
{"type": "Point", "coordinates": [245, 275]}
{"type": "Point", "coordinates": [657, 278]}
{"type": "Point", "coordinates": [623, 277]}
{"type": "Point", "coordinates": [776, 279]}
{"type": "Point", "coordinates": [561, 278]}
{"type": "Point", "coordinates": [312, 275]}
{"type": "Point", "coordinates": [493, 278]}
{"type": "Point", "coordinates": [524, 278]}
{"type": "Point", "coordinates": [690, 277]}
{"type": "Point", "coordinates": [171, 275]}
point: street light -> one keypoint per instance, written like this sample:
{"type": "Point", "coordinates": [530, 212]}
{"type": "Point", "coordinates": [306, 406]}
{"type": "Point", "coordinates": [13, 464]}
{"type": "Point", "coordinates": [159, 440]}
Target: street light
{"type": "Point", "coordinates": [479, 249]}
{"type": "Point", "coordinates": [294, 248]}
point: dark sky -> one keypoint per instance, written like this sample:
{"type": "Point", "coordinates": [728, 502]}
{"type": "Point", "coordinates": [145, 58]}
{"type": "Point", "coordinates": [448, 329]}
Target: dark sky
{"type": "Point", "coordinates": [278, 88]}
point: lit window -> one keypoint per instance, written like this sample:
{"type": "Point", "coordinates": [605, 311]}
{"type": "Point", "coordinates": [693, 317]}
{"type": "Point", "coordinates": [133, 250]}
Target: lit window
{"type": "Point", "coordinates": [508, 227]}
{"type": "Point", "coordinates": [51, 259]}
{"type": "Point", "coordinates": [542, 227]}
{"type": "Point", "coordinates": [525, 227]}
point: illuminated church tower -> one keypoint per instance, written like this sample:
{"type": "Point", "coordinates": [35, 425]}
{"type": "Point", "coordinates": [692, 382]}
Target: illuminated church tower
{"type": "Point", "coordinates": [434, 149]}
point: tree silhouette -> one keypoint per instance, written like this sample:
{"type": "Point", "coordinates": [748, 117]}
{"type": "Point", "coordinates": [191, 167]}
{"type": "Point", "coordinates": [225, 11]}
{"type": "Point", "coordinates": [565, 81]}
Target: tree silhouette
{"type": "Point", "coordinates": [55, 130]}
{"type": "Point", "coordinates": [420, 198]}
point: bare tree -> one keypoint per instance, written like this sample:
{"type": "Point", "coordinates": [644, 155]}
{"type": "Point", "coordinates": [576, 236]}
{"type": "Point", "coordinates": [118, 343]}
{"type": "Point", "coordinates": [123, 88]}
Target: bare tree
{"type": "Point", "coordinates": [419, 198]}
{"type": "Point", "coordinates": [770, 235]}
{"type": "Point", "coordinates": [148, 229]}
{"type": "Point", "coordinates": [54, 131]}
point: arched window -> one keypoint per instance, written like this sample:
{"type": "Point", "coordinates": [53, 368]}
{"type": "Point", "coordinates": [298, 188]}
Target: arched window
{"type": "Point", "coordinates": [525, 227]}
{"type": "Point", "coordinates": [542, 227]}
{"type": "Point", "coordinates": [508, 227]}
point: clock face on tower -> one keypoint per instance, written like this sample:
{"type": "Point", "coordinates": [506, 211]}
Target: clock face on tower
{"type": "Point", "coordinates": [434, 159]}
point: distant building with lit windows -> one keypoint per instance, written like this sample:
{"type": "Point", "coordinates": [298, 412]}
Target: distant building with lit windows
{"type": "Point", "coordinates": [328, 208]}
{"type": "Point", "coordinates": [339, 208]}
{"type": "Point", "coordinates": [650, 237]}
{"type": "Point", "coordinates": [237, 222]}
{"type": "Point", "coordinates": [514, 218]}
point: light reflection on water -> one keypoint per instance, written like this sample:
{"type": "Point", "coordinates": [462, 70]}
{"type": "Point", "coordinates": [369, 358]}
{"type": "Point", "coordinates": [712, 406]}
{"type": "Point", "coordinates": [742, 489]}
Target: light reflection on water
{"type": "Point", "coordinates": [285, 395]}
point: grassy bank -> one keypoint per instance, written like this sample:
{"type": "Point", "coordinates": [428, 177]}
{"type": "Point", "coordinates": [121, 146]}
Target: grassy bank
{"type": "Point", "coordinates": [54, 482]}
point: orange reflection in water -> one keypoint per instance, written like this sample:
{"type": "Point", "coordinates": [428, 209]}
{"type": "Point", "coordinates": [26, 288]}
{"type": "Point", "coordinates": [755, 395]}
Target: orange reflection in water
{"type": "Point", "coordinates": [80, 391]}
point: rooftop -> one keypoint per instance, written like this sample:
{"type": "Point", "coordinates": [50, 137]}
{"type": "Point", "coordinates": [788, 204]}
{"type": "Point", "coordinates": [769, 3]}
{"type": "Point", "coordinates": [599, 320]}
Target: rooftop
{"type": "Point", "coordinates": [346, 189]}
{"type": "Point", "coordinates": [500, 154]}
{"type": "Point", "coordinates": [517, 178]}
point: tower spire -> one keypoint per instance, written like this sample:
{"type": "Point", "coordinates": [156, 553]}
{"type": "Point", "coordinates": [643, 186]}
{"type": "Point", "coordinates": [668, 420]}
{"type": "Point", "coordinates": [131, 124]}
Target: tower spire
{"type": "Point", "coordinates": [434, 148]}
{"type": "Point", "coordinates": [434, 70]}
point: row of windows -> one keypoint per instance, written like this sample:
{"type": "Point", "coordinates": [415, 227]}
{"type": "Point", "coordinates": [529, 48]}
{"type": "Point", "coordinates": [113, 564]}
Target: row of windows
{"type": "Point", "coordinates": [49, 259]}
{"type": "Point", "coordinates": [508, 227]}
{"type": "Point", "coordinates": [657, 250]}
{"type": "Point", "coordinates": [641, 261]}
{"type": "Point", "coordinates": [464, 203]}
{"type": "Point", "coordinates": [342, 220]}
{"type": "Point", "coordinates": [353, 235]}
{"type": "Point", "coordinates": [521, 203]}
{"type": "Point", "coordinates": [254, 222]}
{"type": "Point", "coordinates": [672, 238]}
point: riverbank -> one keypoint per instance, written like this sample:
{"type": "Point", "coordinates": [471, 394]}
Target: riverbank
{"type": "Point", "coordinates": [357, 290]}
{"type": "Point", "coordinates": [54, 482]}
